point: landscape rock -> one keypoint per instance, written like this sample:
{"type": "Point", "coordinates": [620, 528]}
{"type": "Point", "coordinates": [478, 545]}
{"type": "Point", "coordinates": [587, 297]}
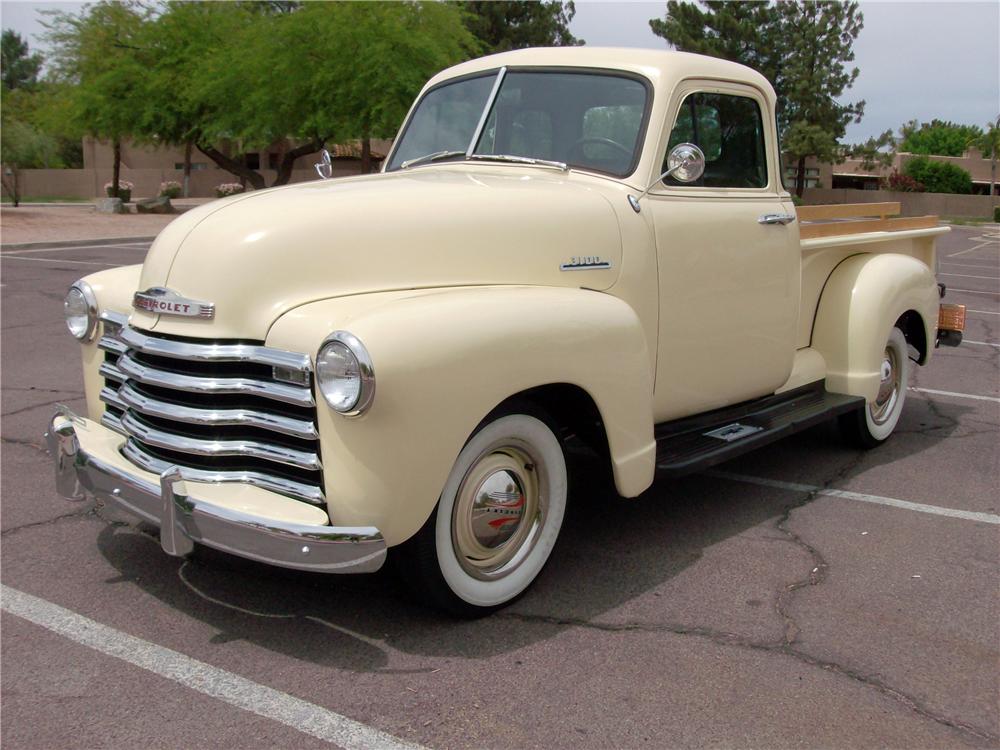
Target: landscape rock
{"type": "Point", "coordinates": [158, 205]}
{"type": "Point", "coordinates": [109, 206]}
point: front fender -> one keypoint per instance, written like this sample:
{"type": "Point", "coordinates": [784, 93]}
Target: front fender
{"type": "Point", "coordinates": [862, 300]}
{"type": "Point", "coordinates": [444, 359]}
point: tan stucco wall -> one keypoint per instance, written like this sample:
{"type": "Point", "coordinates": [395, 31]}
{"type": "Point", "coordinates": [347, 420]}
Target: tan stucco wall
{"type": "Point", "coordinates": [912, 204]}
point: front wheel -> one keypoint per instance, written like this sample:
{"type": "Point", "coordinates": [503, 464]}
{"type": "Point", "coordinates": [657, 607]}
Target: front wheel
{"type": "Point", "coordinates": [872, 424]}
{"type": "Point", "coordinates": [497, 519]}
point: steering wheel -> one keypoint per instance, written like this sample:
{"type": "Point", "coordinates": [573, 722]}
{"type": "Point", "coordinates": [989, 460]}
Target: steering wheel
{"type": "Point", "coordinates": [580, 142]}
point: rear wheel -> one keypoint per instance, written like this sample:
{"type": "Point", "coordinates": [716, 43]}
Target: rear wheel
{"type": "Point", "coordinates": [497, 519]}
{"type": "Point", "coordinates": [872, 424]}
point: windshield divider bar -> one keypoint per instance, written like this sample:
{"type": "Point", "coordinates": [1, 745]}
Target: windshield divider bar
{"type": "Point", "coordinates": [486, 111]}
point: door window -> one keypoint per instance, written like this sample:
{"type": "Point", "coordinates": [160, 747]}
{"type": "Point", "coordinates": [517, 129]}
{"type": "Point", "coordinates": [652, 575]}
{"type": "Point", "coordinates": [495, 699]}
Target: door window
{"type": "Point", "coordinates": [729, 129]}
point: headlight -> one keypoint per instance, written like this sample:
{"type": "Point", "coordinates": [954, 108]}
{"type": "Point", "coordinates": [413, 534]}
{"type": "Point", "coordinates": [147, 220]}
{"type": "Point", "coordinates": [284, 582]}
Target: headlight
{"type": "Point", "coordinates": [80, 308]}
{"type": "Point", "coordinates": [345, 374]}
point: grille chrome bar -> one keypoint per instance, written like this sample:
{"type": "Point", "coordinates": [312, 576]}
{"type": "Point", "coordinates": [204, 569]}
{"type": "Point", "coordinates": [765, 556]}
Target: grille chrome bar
{"type": "Point", "coordinates": [110, 372]}
{"type": "Point", "coordinates": [109, 344]}
{"type": "Point", "coordinates": [212, 352]}
{"type": "Point", "coordinates": [288, 394]}
{"type": "Point", "coordinates": [111, 420]}
{"type": "Point", "coordinates": [111, 397]}
{"type": "Point", "coordinates": [172, 441]}
{"type": "Point", "coordinates": [309, 493]}
{"type": "Point", "coordinates": [128, 397]}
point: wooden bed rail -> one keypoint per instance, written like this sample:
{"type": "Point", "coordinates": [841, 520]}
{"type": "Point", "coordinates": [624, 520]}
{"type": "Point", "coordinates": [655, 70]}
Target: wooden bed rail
{"type": "Point", "coordinates": [859, 214]}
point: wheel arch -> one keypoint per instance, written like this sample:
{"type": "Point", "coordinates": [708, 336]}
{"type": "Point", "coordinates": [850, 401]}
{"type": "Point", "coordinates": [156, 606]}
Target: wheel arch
{"type": "Point", "coordinates": [864, 298]}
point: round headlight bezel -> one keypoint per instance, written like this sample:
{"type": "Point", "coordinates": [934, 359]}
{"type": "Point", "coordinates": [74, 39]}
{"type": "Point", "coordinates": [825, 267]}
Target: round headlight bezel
{"type": "Point", "coordinates": [366, 373]}
{"type": "Point", "coordinates": [93, 313]}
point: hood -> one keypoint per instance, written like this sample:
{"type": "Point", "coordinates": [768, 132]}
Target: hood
{"type": "Point", "coordinates": [257, 256]}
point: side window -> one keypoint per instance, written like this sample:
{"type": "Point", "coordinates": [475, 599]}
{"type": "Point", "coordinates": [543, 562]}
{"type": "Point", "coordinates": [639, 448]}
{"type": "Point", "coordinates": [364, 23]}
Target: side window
{"type": "Point", "coordinates": [729, 129]}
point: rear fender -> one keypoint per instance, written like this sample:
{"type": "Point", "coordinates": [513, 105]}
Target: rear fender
{"type": "Point", "coordinates": [443, 360]}
{"type": "Point", "coordinates": [861, 302]}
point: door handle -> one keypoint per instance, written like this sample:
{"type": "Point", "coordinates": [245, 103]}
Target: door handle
{"type": "Point", "coordinates": [776, 219]}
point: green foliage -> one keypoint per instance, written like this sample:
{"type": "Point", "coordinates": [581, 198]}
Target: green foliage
{"type": "Point", "coordinates": [501, 25]}
{"type": "Point", "coordinates": [939, 138]}
{"type": "Point", "coordinates": [18, 68]}
{"type": "Point", "coordinates": [939, 176]}
{"type": "Point", "coordinates": [901, 183]}
{"type": "Point", "coordinates": [22, 146]}
{"type": "Point", "coordinates": [801, 47]}
{"type": "Point", "coordinates": [879, 151]}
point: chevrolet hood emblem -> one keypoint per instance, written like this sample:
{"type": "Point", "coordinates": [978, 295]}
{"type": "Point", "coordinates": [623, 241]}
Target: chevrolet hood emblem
{"type": "Point", "coordinates": [162, 301]}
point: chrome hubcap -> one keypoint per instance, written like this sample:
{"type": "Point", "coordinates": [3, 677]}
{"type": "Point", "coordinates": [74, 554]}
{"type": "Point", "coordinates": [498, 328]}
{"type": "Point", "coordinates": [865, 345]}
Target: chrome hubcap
{"type": "Point", "coordinates": [888, 389]}
{"type": "Point", "coordinates": [499, 511]}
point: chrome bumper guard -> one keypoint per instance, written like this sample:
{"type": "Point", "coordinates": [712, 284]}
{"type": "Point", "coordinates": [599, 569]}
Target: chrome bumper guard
{"type": "Point", "coordinates": [183, 518]}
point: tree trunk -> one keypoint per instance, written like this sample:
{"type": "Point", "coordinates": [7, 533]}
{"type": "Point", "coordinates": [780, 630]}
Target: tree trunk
{"type": "Point", "coordinates": [187, 169]}
{"type": "Point", "coordinates": [800, 177]}
{"type": "Point", "coordinates": [288, 160]}
{"type": "Point", "coordinates": [233, 166]}
{"type": "Point", "coordinates": [12, 185]}
{"type": "Point", "coordinates": [366, 155]}
{"type": "Point", "coordinates": [117, 146]}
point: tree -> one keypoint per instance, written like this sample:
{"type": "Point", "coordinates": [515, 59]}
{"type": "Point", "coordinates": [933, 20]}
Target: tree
{"type": "Point", "coordinates": [18, 68]}
{"type": "Point", "coordinates": [96, 53]}
{"type": "Point", "coordinates": [23, 147]}
{"type": "Point", "coordinates": [939, 176]}
{"type": "Point", "coordinates": [801, 47]}
{"type": "Point", "coordinates": [989, 146]}
{"type": "Point", "coordinates": [501, 25]}
{"type": "Point", "coordinates": [879, 151]}
{"type": "Point", "coordinates": [938, 137]}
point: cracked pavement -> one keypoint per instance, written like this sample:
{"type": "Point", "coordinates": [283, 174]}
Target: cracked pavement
{"type": "Point", "coordinates": [705, 613]}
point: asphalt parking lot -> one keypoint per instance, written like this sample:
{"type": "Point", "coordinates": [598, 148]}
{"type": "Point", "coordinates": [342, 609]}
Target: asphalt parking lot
{"type": "Point", "coordinates": [807, 595]}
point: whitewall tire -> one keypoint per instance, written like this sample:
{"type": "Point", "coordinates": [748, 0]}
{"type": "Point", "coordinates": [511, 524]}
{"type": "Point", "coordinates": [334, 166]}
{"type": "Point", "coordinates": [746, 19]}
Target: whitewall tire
{"type": "Point", "coordinates": [873, 424]}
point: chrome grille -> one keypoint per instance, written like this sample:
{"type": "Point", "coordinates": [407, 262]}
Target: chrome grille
{"type": "Point", "coordinates": [213, 408]}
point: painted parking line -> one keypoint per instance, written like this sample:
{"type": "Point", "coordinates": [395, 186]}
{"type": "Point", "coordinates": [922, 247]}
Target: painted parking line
{"type": "Point", "coordinates": [980, 343]}
{"type": "Point", "coordinates": [974, 248]}
{"type": "Point", "coordinates": [971, 276]}
{"type": "Point", "coordinates": [971, 396]}
{"type": "Point", "coordinates": [971, 291]}
{"type": "Point", "coordinates": [7, 256]}
{"type": "Point", "coordinates": [982, 312]}
{"type": "Point", "coordinates": [965, 515]}
{"type": "Point", "coordinates": [197, 675]}
{"type": "Point", "coordinates": [123, 246]}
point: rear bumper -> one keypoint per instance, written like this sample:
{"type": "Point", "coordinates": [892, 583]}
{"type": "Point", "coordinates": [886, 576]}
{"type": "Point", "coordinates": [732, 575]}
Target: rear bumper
{"type": "Point", "coordinates": [83, 469]}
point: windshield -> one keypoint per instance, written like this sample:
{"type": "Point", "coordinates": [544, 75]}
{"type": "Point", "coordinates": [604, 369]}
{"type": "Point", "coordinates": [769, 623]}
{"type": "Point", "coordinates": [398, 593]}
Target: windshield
{"type": "Point", "coordinates": [588, 120]}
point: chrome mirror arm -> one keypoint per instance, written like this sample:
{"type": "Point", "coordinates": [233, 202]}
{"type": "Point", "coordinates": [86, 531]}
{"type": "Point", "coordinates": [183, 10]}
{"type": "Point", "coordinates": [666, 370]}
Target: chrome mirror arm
{"type": "Point", "coordinates": [687, 159]}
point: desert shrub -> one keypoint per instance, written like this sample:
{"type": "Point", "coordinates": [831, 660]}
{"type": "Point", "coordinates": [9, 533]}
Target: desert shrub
{"type": "Point", "coordinates": [125, 189]}
{"type": "Point", "coordinates": [939, 176]}
{"type": "Point", "coordinates": [901, 183]}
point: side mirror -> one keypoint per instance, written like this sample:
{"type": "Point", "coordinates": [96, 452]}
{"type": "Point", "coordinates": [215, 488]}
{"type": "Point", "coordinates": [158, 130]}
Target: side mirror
{"type": "Point", "coordinates": [324, 168]}
{"type": "Point", "coordinates": [685, 163]}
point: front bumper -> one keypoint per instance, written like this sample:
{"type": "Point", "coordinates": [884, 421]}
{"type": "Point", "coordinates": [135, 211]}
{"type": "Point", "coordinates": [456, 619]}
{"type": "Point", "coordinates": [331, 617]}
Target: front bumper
{"type": "Point", "coordinates": [87, 466]}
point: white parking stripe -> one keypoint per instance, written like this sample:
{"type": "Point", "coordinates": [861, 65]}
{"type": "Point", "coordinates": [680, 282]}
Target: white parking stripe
{"type": "Point", "coordinates": [7, 256]}
{"type": "Point", "coordinates": [965, 515]}
{"type": "Point", "coordinates": [980, 343]}
{"type": "Point", "coordinates": [968, 276]}
{"type": "Point", "coordinates": [971, 291]}
{"type": "Point", "coordinates": [122, 245]}
{"type": "Point", "coordinates": [204, 678]}
{"type": "Point", "coordinates": [955, 395]}
{"type": "Point", "coordinates": [981, 312]}
{"type": "Point", "coordinates": [976, 247]}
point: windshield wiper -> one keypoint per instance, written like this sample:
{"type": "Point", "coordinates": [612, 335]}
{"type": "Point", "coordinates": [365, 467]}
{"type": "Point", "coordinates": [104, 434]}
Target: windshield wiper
{"type": "Point", "coordinates": [520, 160]}
{"type": "Point", "coordinates": [429, 157]}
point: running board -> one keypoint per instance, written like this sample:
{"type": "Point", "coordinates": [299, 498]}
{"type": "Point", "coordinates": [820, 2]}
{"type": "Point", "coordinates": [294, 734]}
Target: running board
{"type": "Point", "coordinates": [696, 443]}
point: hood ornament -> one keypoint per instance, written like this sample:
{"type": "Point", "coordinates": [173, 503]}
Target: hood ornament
{"type": "Point", "coordinates": [162, 301]}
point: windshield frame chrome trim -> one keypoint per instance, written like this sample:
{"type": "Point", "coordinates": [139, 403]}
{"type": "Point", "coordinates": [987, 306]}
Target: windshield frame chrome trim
{"type": "Point", "coordinates": [487, 110]}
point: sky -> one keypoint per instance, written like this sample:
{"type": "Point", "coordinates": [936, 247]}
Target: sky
{"type": "Point", "coordinates": [918, 60]}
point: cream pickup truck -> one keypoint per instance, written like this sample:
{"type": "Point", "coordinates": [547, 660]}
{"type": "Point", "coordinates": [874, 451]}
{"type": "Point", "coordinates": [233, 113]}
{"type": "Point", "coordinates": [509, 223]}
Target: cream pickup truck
{"type": "Point", "coordinates": [563, 242]}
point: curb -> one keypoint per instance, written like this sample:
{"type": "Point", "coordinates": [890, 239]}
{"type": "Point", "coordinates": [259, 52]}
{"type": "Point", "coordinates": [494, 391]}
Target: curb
{"type": "Point", "coordinates": [77, 243]}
